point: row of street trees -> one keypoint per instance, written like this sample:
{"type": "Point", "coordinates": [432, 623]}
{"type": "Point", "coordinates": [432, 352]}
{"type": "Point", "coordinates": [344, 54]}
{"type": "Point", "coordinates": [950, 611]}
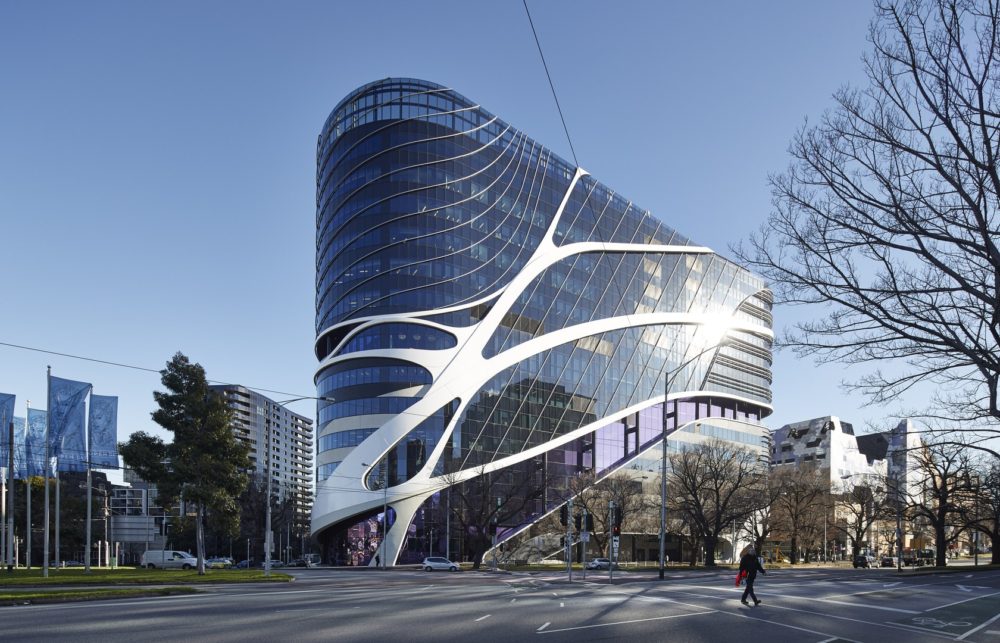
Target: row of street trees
{"type": "Point", "coordinates": [716, 488]}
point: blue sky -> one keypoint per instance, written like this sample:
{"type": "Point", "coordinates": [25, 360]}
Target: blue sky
{"type": "Point", "coordinates": [157, 168]}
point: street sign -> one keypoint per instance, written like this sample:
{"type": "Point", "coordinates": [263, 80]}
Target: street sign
{"type": "Point", "coordinates": [585, 536]}
{"type": "Point", "coordinates": [614, 545]}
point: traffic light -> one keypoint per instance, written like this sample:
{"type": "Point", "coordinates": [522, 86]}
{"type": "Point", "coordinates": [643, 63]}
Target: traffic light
{"type": "Point", "coordinates": [576, 522]}
{"type": "Point", "coordinates": [616, 516]}
{"type": "Point", "coordinates": [564, 515]}
{"type": "Point", "coordinates": [590, 522]}
{"type": "Point", "coordinates": [493, 529]}
{"type": "Point", "coordinates": [616, 530]}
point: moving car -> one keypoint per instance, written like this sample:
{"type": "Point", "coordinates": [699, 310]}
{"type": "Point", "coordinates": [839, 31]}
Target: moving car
{"type": "Point", "coordinates": [600, 563]}
{"type": "Point", "coordinates": [436, 562]}
{"type": "Point", "coordinates": [300, 562]}
{"type": "Point", "coordinates": [219, 563]}
{"type": "Point", "coordinates": [864, 560]}
{"type": "Point", "coordinates": [888, 561]}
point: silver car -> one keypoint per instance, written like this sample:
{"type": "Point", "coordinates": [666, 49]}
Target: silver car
{"type": "Point", "coordinates": [600, 563]}
{"type": "Point", "coordinates": [436, 562]}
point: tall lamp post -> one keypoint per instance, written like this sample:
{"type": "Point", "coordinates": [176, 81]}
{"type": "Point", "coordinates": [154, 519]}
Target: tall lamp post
{"type": "Point", "coordinates": [268, 537]}
{"type": "Point", "coordinates": [723, 327]}
{"type": "Point", "coordinates": [663, 444]}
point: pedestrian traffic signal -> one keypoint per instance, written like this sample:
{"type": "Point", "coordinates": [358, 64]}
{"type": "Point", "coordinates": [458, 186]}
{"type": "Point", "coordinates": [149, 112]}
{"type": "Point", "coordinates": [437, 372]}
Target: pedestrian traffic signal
{"type": "Point", "coordinates": [564, 515]}
{"type": "Point", "coordinates": [576, 522]}
{"type": "Point", "coordinates": [616, 530]}
{"type": "Point", "coordinates": [590, 522]}
{"type": "Point", "coordinates": [616, 516]}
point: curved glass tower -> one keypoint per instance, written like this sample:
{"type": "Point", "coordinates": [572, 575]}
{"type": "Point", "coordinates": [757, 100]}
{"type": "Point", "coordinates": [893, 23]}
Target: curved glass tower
{"type": "Point", "coordinates": [482, 305]}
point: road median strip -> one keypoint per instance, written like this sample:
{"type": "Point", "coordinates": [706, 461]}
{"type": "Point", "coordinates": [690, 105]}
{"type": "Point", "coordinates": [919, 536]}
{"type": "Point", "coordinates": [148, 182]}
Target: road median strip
{"type": "Point", "coordinates": [11, 598]}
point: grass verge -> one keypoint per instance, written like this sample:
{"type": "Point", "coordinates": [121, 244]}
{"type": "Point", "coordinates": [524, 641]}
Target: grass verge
{"type": "Point", "coordinates": [96, 594]}
{"type": "Point", "coordinates": [133, 576]}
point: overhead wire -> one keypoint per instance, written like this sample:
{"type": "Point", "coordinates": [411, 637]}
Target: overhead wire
{"type": "Point", "coordinates": [551, 85]}
{"type": "Point", "coordinates": [141, 368]}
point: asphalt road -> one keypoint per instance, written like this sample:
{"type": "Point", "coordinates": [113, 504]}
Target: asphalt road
{"type": "Point", "coordinates": [814, 605]}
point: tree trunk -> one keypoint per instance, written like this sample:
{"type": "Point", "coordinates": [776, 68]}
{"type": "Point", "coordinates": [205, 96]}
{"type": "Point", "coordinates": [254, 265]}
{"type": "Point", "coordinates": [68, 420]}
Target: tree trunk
{"type": "Point", "coordinates": [995, 540]}
{"type": "Point", "coordinates": [200, 538]}
{"type": "Point", "coordinates": [795, 549]}
{"type": "Point", "coordinates": [940, 543]}
{"type": "Point", "coordinates": [478, 551]}
{"type": "Point", "coordinates": [710, 544]}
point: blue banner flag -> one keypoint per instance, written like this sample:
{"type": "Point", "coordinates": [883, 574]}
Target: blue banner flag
{"type": "Point", "coordinates": [20, 427]}
{"type": "Point", "coordinates": [6, 409]}
{"type": "Point", "coordinates": [6, 417]}
{"type": "Point", "coordinates": [103, 427]}
{"type": "Point", "coordinates": [34, 444]}
{"type": "Point", "coordinates": [67, 423]}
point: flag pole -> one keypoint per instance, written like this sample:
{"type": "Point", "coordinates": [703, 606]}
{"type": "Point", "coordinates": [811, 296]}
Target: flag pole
{"type": "Point", "coordinates": [27, 494]}
{"type": "Point", "coordinates": [56, 534]}
{"type": "Point", "coordinates": [48, 424]}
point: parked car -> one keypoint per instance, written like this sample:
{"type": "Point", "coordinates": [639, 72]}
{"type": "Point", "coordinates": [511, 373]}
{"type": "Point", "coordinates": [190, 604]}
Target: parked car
{"type": "Point", "coordinates": [274, 564]}
{"type": "Point", "coordinates": [300, 562]}
{"type": "Point", "coordinates": [436, 562]}
{"type": "Point", "coordinates": [244, 564]}
{"type": "Point", "coordinates": [219, 563]}
{"type": "Point", "coordinates": [600, 563]}
{"type": "Point", "coordinates": [888, 561]}
{"type": "Point", "coordinates": [864, 560]}
{"type": "Point", "coordinates": [167, 559]}
{"type": "Point", "coordinates": [72, 563]}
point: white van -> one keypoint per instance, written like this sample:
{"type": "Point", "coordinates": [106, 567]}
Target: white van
{"type": "Point", "coordinates": [168, 559]}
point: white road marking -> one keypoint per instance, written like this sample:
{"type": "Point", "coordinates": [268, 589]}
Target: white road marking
{"type": "Point", "coordinates": [638, 620]}
{"type": "Point", "coordinates": [483, 618]}
{"type": "Point", "coordinates": [513, 600]}
{"type": "Point", "coordinates": [974, 630]}
{"type": "Point", "coordinates": [994, 632]}
{"type": "Point", "coordinates": [964, 588]}
{"type": "Point", "coordinates": [545, 625]}
{"type": "Point", "coordinates": [892, 584]}
{"type": "Point", "coordinates": [961, 601]}
{"type": "Point", "coordinates": [822, 614]}
{"type": "Point", "coordinates": [820, 600]}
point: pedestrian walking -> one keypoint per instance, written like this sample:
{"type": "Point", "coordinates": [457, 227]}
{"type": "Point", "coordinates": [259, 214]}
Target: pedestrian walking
{"type": "Point", "coordinates": [378, 560]}
{"type": "Point", "coordinates": [750, 565]}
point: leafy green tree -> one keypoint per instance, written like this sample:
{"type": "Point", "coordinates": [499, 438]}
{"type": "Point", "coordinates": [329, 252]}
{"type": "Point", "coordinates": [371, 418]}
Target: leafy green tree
{"type": "Point", "coordinates": [205, 464]}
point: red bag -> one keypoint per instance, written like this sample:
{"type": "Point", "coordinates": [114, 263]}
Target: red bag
{"type": "Point", "coordinates": [740, 577]}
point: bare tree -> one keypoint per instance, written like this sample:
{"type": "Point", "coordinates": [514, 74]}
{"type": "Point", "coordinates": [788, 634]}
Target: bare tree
{"type": "Point", "coordinates": [856, 509]}
{"type": "Point", "coordinates": [494, 500]}
{"type": "Point", "coordinates": [622, 488]}
{"type": "Point", "coordinates": [714, 485]}
{"type": "Point", "coordinates": [944, 493]}
{"type": "Point", "coordinates": [888, 213]}
{"type": "Point", "coordinates": [760, 524]}
{"type": "Point", "coordinates": [801, 490]}
{"type": "Point", "coordinates": [986, 517]}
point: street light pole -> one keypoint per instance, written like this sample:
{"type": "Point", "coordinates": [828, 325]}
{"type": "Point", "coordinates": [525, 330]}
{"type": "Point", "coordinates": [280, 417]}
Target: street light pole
{"type": "Point", "coordinates": [668, 380]}
{"type": "Point", "coordinates": [663, 446]}
{"type": "Point", "coordinates": [385, 513]}
{"type": "Point", "coordinates": [267, 520]}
